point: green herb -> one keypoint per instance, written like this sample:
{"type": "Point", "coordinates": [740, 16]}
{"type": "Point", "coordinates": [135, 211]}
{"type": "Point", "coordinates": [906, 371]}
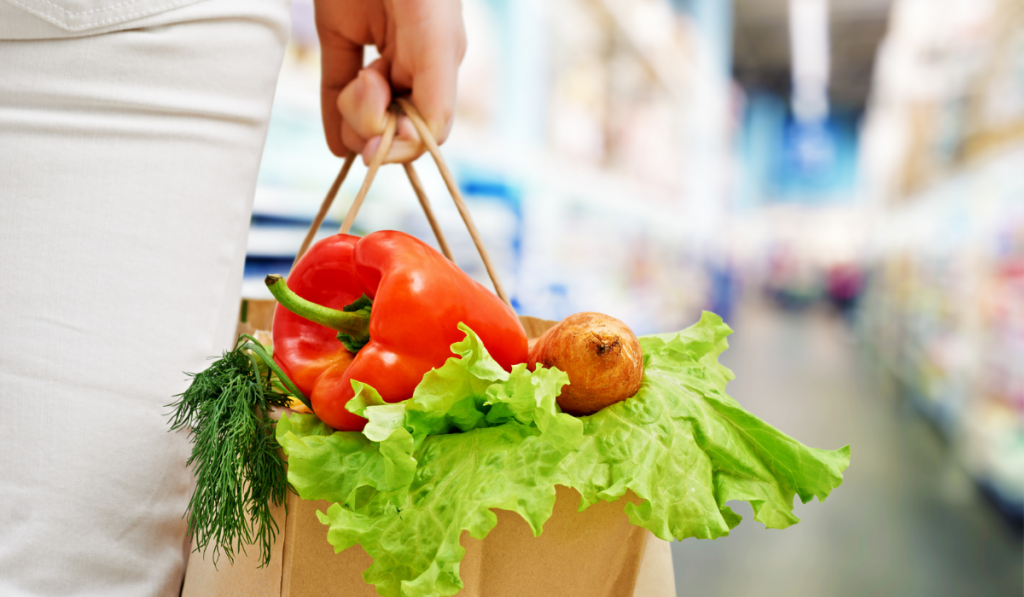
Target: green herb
{"type": "Point", "coordinates": [235, 455]}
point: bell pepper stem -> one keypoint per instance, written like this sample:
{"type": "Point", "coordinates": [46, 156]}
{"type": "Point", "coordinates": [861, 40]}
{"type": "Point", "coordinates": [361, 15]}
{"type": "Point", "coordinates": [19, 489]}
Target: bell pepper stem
{"type": "Point", "coordinates": [355, 323]}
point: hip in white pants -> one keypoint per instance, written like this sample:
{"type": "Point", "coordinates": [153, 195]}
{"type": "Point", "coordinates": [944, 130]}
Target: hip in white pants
{"type": "Point", "coordinates": [129, 146]}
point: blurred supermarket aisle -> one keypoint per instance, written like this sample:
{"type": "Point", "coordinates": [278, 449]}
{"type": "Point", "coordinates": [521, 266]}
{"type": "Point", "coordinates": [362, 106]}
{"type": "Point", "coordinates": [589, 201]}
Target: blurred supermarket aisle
{"type": "Point", "coordinates": [907, 522]}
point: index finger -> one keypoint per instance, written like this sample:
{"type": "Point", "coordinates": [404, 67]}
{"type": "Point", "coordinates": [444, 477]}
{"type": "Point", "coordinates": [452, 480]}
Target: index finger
{"type": "Point", "coordinates": [341, 60]}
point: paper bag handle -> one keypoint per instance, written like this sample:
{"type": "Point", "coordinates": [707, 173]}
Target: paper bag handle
{"type": "Point", "coordinates": [375, 163]}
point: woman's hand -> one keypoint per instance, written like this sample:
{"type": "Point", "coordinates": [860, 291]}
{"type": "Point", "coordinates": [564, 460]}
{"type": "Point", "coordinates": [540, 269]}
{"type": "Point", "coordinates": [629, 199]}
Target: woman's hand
{"type": "Point", "coordinates": [421, 43]}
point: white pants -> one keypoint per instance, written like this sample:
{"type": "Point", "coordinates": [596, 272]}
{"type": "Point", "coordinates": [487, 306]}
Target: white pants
{"type": "Point", "coordinates": [128, 163]}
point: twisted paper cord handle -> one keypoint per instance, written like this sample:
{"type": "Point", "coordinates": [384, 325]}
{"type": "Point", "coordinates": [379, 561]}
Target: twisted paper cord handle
{"type": "Point", "coordinates": [387, 140]}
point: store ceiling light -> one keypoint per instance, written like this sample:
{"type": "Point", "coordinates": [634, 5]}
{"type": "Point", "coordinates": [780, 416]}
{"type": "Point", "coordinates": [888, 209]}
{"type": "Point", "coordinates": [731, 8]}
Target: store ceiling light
{"type": "Point", "coordinates": [809, 45]}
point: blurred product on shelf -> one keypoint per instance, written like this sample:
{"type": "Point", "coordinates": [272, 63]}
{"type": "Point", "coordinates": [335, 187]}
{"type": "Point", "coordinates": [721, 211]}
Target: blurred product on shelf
{"type": "Point", "coordinates": [948, 90]}
{"type": "Point", "coordinates": [943, 148]}
{"type": "Point", "coordinates": [843, 285]}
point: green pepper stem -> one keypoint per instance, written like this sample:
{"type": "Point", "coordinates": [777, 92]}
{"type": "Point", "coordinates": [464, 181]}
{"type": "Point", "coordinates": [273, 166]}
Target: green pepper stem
{"type": "Point", "coordinates": [355, 323]}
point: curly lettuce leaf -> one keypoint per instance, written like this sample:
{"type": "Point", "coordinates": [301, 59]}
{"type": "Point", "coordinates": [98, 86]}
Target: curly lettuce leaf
{"type": "Point", "coordinates": [474, 437]}
{"type": "Point", "coordinates": [450, 398]}
{"type": "Point", "coordinates": [686, 448]}
{"type": "Point", "coordinates": [415, 544]}
{"type": "Point", "coordinates": [347, 468]}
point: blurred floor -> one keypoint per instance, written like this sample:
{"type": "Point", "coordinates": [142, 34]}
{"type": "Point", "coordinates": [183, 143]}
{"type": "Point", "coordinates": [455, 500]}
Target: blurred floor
{"type": "Point", "coordinates": [905, 522]}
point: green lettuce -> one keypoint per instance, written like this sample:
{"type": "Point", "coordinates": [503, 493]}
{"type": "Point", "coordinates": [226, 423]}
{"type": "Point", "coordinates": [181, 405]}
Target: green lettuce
{"type": "Point", "coordinates": [474, 437]}
{"type": "Point", "coordinates": [686, 448]}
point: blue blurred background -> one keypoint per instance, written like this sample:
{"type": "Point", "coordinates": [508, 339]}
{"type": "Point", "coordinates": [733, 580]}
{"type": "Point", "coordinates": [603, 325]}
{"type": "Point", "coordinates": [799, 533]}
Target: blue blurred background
{"type": "Point", "coordinates": [841, 180]}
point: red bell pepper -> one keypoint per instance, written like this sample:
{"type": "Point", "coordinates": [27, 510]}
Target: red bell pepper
{"type": "Point", "coordinates": [419, 298]}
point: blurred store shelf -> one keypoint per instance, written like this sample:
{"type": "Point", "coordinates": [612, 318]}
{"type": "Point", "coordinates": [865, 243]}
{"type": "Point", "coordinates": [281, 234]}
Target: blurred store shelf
{"type": "Point", "coordinates": [943, 148]}
{"type": "Point", "coordinates": [946, 314]}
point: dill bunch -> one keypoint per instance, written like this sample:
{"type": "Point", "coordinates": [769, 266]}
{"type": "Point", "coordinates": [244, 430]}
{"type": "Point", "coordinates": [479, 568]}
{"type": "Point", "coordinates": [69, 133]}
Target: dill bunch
{"type": "Point", "coordinates": [235, 455]}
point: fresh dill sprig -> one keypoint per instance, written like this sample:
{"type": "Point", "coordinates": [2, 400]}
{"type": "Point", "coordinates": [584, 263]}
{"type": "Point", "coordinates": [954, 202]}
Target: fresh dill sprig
{"type": "Point", "coordinates": [235, 455]}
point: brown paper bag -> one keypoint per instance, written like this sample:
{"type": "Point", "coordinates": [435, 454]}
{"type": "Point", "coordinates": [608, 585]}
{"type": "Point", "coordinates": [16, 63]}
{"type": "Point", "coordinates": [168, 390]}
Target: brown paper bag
{"type": "Point", "coordinates": [595, 553]}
